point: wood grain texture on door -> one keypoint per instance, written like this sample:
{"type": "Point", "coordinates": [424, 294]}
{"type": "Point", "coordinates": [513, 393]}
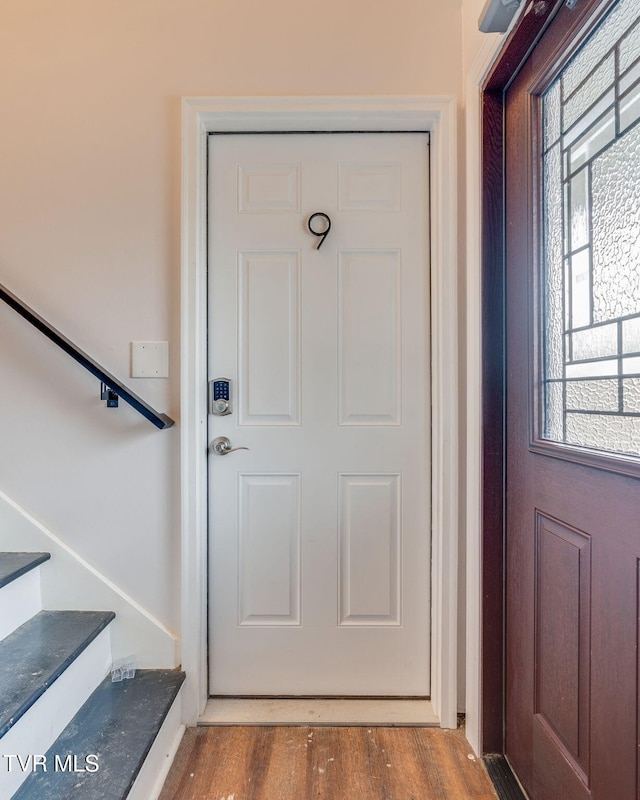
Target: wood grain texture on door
{"type": "Point", "coordinates": [572, 530]}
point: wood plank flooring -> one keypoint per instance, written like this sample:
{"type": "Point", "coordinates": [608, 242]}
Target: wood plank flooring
{"type": "Point", "coordinates": [326, 763]}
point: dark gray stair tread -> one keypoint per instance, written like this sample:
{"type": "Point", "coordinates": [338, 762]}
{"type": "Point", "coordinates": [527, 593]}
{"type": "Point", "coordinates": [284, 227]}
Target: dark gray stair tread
{"type": "Point", "coordinates": [13, 565]}
{"type": "Point", "coordinates": [38, 652]}
{"type": "Point", "coordinates": [117, 725]}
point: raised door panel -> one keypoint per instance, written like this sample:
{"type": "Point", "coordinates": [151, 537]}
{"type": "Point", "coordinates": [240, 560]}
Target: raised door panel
{"type": "Point", "coordinates": [369, 187]}
{"type": "Point", "coordinates": [269, 550]}
{"type": "Point", "coordinates": [369, 337]}
{"type": "Point", "coordinates": [269, 338]}
{"type": "Point", "coordinates": [562, 626]}
{"type": "Point", "coordinates": [268, 189]}
{"type": "Point", "coordinates": [370, 536]}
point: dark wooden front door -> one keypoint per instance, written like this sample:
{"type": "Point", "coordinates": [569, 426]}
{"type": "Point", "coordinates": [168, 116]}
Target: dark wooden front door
{"type": "Point", "coordinates": [572, 150]}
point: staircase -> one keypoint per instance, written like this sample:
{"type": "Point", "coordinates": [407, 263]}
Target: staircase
{"type": "Point", "coordinates": [67, 732]}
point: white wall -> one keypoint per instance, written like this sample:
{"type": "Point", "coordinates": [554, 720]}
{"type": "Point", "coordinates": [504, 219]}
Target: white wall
{"type": "Point", "coordinates": [89, 227]}
{"type": "Point", "coordinates": [66, 581]}
{"type": "Point", "coordinates": [472, 39]}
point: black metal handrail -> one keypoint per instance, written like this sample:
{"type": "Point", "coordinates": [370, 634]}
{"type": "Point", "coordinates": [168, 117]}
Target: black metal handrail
{"type": "Point", "coordinates": [159, 420]}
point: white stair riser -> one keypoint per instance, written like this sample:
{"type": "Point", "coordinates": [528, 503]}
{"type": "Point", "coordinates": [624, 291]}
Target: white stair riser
{"type": "Point", "coordinates": [19, 601]}
{"type": "Point", "coordinates": [154, 771]}
{"type": "Point", "coordinates": [41, 725]}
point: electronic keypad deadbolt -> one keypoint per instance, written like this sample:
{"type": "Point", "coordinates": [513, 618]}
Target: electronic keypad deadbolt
{"type": "Point", "coordinates": [220, 396]}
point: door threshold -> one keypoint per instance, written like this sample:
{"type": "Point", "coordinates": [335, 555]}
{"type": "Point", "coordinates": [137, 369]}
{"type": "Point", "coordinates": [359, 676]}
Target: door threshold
{"type": "Point", "coordinates": [359, 712]}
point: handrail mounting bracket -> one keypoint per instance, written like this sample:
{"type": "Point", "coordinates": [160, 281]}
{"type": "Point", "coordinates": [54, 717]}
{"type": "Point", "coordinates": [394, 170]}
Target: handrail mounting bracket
{"type": "Point", "coordinates": [108, 394]}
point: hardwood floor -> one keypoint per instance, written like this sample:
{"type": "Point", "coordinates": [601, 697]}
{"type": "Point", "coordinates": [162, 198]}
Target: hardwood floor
{"type": "Point", "coordinates": [326, 763]}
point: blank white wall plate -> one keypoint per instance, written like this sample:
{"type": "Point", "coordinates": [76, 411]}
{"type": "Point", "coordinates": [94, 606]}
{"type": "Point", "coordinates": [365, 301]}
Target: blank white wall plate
{"type": "Point", "coordinates": [149, 359]}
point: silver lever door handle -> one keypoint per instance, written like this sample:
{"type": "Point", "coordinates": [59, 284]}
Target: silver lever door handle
{"type": "Point", "coordinates": [222, 446]}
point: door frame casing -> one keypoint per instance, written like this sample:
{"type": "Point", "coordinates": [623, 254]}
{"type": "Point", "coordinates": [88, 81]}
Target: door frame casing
{"type": "Point", "coordinates": [436, 115]}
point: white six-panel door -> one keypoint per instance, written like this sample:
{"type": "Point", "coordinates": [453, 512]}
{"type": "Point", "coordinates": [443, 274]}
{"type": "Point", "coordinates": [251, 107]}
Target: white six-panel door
{"type": "Point", "coordinates": [319, 532]}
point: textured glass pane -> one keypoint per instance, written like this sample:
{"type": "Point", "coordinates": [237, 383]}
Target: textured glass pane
{"type": "Point", "coordinates": [595, 342]}
{"type": "Point", "coordinates": [554, 412]}
{"type": "Point", "coordinates": [580, 209]}
{"type": "Point", "coordinates": [552, 115]}
{"type": "Point", "coordinates": [597, 125]}
{"type": "Point", "coordinates": [620, 20]}
{"type": "Point", "coordinates": [629, 78]}
{"type": "Point", "coordinates": [630, 48]}
{"type": "Point", "coordinates": [595, 139]}
{"type": "Point", "coordinates": [631, 366]}
{"type": "Point", "coordinates": [629, 108]}
{"type": "Point", "coordinates": [601, 79]}
{"type": "Point", "coordinates": [592, 369]}
{"type": "Point", "coordinates": [591, 202]}
{"type": "Point", "coordinates": [617, 434]}
{"type": "Point", "coordinates": [592, 395]}
{"type": "Point", "coordinates": [554, 264]}
{"type": "Point", "coordinates": [631, 388]}
{"type": "Point", "coordinates": [580, 289]}
{"type": "Point", "coordinates": [616, 229]}
{"type": "Point", "coordinates": [631, 336]}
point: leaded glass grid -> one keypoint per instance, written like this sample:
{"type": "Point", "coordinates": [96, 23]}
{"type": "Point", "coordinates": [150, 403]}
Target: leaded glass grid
{"type": "Point", "coordinates": [591, 219]}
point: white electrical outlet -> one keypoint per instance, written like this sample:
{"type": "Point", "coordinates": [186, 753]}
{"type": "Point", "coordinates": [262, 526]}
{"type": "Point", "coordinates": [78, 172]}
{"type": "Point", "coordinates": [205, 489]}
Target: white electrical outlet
{"type": "Point", "coordinates": [149, 359]}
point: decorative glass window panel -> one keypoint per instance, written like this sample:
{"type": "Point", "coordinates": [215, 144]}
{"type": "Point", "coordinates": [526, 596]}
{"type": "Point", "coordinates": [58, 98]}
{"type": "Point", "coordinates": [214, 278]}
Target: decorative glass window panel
{"type": "Point", "coordinates": [591, 261]}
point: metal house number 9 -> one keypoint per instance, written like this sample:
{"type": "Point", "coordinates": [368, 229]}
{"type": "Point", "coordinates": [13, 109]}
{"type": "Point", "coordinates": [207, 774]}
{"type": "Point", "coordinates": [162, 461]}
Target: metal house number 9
{"type": "Point", "coordinates": [323, 233]}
